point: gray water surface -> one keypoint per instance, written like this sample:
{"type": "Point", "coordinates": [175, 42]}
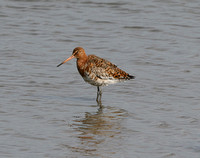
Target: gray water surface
{"type": "Point", "coordinates": [51, 112]}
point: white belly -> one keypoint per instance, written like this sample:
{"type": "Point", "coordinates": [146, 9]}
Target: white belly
{"type": "Point", "coordinates": [95, 81]}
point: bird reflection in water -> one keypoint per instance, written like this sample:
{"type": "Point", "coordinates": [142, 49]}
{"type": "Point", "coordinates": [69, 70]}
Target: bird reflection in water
{"type": "Point", "coordinates": [98, 130]}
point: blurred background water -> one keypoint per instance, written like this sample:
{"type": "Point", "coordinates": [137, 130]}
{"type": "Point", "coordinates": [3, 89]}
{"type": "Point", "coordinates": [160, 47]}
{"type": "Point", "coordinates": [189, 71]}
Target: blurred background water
{"type": "Point", "coordinates": [47, 111]}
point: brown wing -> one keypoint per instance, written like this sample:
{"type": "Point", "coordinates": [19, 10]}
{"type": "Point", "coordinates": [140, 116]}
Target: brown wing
{"type": "Point", "coordinates": [104, 69]}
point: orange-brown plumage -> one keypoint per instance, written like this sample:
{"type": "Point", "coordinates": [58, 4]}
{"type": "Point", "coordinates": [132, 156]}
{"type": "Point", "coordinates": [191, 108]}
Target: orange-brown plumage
{"type": "Point", "coordinates": [97, 71]}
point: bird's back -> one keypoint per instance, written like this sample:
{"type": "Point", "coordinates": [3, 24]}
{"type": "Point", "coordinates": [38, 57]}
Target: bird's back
{"type": "Point", "coordinates": [99, 72]}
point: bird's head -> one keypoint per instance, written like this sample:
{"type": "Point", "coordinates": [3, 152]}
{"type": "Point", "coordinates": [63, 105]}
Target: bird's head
{"type": "Point", "coordinates": [78, 53]}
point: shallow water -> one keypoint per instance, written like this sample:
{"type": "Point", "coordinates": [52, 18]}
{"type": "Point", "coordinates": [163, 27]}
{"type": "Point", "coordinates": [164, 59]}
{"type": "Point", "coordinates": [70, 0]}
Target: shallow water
{"type": "Point", "coordinates": [47, 111]}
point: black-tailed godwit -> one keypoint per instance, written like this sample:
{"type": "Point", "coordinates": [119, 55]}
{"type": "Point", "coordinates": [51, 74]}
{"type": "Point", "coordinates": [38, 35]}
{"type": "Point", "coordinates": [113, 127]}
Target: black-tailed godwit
{"type": "Point", "coordinates": [97, 71]}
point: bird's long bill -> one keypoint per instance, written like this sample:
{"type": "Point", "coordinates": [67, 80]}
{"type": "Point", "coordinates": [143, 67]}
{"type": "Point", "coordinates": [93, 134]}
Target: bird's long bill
{"type": "Point", "coordinates": [66, 60]}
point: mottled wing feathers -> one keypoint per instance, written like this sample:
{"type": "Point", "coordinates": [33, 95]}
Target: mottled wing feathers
{"type": "Point", "coordinates": [103, 69]}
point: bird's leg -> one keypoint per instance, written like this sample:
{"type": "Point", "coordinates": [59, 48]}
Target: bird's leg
{"type": "Point", "coordinates": [99, 94]}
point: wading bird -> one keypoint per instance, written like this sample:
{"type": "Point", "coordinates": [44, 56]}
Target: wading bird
{"type": "Point", "coordinates": [97, 71]}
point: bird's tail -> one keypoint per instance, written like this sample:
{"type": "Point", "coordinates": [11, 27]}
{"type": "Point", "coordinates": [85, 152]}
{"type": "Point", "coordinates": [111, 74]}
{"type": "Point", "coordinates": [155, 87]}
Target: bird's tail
{"type": "Point", "coordinates": [131, 77]}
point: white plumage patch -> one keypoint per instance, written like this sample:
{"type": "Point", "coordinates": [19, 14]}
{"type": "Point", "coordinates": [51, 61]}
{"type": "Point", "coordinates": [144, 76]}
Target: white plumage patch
{"type": "Point", "coordinates": [99, 81]}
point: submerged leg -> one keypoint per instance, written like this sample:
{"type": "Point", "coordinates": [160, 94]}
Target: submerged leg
{"type": "Point", "coordinates": [99, 94]}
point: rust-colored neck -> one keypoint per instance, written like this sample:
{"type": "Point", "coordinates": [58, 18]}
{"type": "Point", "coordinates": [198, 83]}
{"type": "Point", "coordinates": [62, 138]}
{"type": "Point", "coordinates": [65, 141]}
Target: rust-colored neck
{"type": "Point", "coordinates": [81, 62]}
